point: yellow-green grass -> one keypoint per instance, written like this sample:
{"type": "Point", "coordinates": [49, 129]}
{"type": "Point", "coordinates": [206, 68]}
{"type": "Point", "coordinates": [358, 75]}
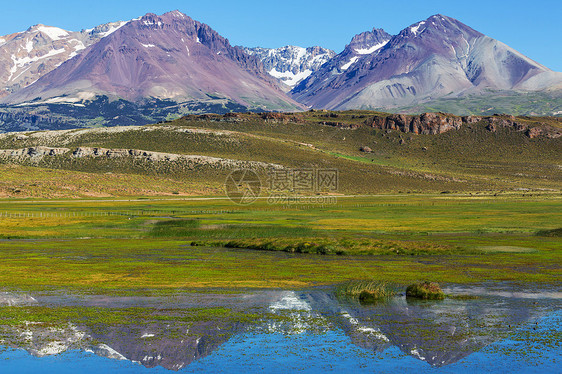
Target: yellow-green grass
{"type": "Point", "coordinates": [148, 243]}
{"type": "Point", "coordinates": [18, 181]}
{"type": "Point", "coordinates": [387, 216]}
{"type": "Point", "coordinates": [366, 291]}
{"type": "Point", "coordinates": [119, 264]}
{"type": "Point", "coordinates": [425, 290]}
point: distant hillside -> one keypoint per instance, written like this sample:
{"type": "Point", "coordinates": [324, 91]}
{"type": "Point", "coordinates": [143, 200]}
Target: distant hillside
{"type": "Point", "coordinates": [374, 153]}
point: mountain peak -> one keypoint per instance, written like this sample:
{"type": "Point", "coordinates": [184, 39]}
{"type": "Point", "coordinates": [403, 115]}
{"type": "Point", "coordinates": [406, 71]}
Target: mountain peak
{"type": "Point", "coordinates": [168, 17]}
{"type": "Point", "coordinates": [440, 25]}
{"type": "Point", "coordinates": [368, 42]}
{"type": "Point", "coordinates": [170, 56]}
{"type": "Point", "coordinates": [52, 32]}
{"type": "Point", "coordinates": [432, 58]}
{"type": "Point", "coordinates": [175, 13]}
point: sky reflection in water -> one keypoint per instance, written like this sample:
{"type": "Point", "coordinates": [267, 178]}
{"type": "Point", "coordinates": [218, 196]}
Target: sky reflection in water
{"type": "Point", "coordinates": [318, 333]}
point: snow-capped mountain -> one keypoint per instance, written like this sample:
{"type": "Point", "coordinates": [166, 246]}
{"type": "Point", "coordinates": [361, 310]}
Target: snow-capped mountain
{"type": "Point", "coordinates": [153, 67]}
{"type": "Point", "coordinates": [438, 57]}
{"type": "Point", "coordinates": [366, 43]}
{"type": "Point", "coordinates": [291, 64]}
{"type": "Point", "coordinates": [163, 57]}
{"type": "Point", "coordinates": [26, 56]}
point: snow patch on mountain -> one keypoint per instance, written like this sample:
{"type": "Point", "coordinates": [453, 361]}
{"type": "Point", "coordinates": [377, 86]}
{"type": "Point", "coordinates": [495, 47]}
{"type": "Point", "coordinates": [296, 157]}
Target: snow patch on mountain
{"type": "Point", "coordinates": [52, 32]}
{"type": "Point", "coordinates": [24, 61]}
{"type": "Point", "coordinates": [371, 50]}
{"type": "Point", "coordinates": [290, 78]}
{"type": "Point", "coordinates": [349, 63]}
{"type": "Point", "coordinates": [414, 29]}
{"type": "Point", "coordinates": [106, 351]}
{"type": "Point", "coordinates": [291, 64]}
{"type": "Point", "coordinates": [29, 45]}
{"type": "Point", "coordinates": [52, 348]}
{"type": "Point", "coordinates": [113, 28]}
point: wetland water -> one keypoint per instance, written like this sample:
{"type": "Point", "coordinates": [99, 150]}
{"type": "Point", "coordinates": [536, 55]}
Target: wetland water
{"type": "Point", "coordinates": [500, 328]}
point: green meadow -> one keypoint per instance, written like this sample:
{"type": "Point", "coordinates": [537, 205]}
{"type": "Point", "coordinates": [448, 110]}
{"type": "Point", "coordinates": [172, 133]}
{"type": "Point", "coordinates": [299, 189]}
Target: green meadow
{"type": "Point", "coordinates": [468, 205]}
{"type": "Point", "coordinates": [169, 244]}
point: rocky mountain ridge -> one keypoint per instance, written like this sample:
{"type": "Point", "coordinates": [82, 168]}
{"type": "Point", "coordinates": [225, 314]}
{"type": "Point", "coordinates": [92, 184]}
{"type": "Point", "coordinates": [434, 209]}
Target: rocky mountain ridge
{"type": "Point", "coordinates": [291, 64]}
{"type": "Point", "coordinates": [164, 57]}
{"type": "Point", "coordinates": [26, 56]}
{"type": "Point", "coordinates": [155, 68]}
{"type": "Point", "coordinates": [437, 57]}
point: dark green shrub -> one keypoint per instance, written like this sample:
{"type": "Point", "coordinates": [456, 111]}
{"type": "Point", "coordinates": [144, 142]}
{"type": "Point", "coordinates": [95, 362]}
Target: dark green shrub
{"type": "Point", "coordinates": [326, 249]}
{"type": "Point", "coordinates": [550, 233]}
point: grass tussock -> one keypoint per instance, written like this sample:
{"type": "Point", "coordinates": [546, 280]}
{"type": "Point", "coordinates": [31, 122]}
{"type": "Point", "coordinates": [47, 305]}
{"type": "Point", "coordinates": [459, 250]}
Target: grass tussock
{"type": "Point", "coordinates": [425, 291]}
{"type": "Point", "coordinates": [366, 291]}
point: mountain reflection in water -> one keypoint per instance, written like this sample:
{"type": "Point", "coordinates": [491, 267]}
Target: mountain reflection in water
{"type": "Point", "coordinates": [165, 332]}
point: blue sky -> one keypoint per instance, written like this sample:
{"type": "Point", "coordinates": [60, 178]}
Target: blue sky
{"type": "Point", "coordinates": [532, 27]}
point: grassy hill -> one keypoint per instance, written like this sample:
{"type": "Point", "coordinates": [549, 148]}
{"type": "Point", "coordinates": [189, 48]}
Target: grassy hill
{"type": "Point", "coordinates": [470, 159]}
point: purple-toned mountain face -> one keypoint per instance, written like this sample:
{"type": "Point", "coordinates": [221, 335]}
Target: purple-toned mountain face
{"type": "Point", "coordinates": [438, 57]}
{"type": "Point", "coordinates": [160, 57]}
{"type": "Point", "coordinates": [365, 44]}
{"type": "Point", "coordinates": [28, 55]}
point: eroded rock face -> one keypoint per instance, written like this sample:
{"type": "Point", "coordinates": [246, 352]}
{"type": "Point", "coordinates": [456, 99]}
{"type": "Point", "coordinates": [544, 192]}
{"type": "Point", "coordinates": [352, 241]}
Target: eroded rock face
{"type": "Point", "coordinates": [281, 118]}
{"type": "Point", "coordinates": [438, 123]}
{"type": "Point", "coordinates": [471, 119]}
{"type": "Point", "coordinates": [33, 152]}
{"type": "Point", "coordinates": [36, 154]}
{"type": "Point", "coordinates": [426, 123]}
{"type": "Point", "coordinates": [497, 121]}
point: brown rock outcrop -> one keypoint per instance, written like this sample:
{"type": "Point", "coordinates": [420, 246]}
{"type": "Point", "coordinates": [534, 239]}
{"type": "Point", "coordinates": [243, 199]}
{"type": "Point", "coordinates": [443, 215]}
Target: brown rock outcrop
{"type": "Point", "coordinates": [438, 123]}
{"type": "Point", "coordinates": [366, 149]}
{"type": "Point", "coordinates": [426, 123]}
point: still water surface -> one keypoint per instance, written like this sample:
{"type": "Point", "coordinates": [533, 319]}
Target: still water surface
{"type": "Point", "coordinates": [505, 328]}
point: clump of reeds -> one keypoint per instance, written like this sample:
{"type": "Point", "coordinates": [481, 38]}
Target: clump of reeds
{"type": "Point", "coordinates": [425, 291]}
{"type": "Point", "coordinates": [367, 291]}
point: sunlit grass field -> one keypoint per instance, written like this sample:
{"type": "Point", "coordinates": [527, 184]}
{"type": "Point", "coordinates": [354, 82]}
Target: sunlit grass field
{"type": "Point", "coordinates": [467, 205]}
{"type": "Point", "coordinates": [180, 243]}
